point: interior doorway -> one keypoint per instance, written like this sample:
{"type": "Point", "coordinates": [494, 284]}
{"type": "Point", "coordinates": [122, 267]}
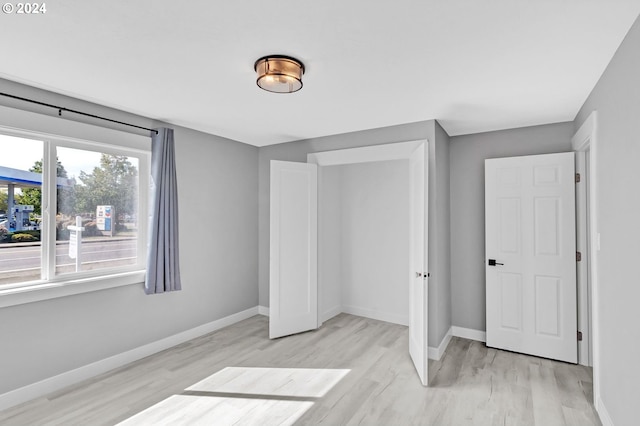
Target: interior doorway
{"type": "Point", "coordinates": [530, 234]}
{"type": "Point", "coordinates": [363, 250]}
{"type": "Point", "coordinates": [391, 182]}
{"type": "Point", "coordinates": [382, 203]}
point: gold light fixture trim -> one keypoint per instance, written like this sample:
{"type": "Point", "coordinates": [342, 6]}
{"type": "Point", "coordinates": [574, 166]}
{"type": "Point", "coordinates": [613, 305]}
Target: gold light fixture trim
{"type": "Point", "coordinates": [279, 73]}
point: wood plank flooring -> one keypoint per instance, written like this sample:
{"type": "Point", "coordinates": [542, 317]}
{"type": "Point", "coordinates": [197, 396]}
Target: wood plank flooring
{"type": "Point", "coordinates": [370, 381]}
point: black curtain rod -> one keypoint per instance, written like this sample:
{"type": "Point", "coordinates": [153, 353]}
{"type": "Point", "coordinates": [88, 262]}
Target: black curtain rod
{"type": "Point", "coordinates": [60, 109]}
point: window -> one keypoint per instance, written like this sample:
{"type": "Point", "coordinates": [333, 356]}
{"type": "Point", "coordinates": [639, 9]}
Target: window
{"type": "Point", "coordinates": [70, 210]}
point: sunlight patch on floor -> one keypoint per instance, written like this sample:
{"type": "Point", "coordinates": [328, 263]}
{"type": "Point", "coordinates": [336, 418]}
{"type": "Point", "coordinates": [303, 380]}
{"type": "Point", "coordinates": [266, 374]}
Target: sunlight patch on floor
{"type": "Point", "coordinates": [298, 382]}
{"type": "Point", "coordinates": [244, 396]}
{"type": "Point", "coordinates": [210, 410]}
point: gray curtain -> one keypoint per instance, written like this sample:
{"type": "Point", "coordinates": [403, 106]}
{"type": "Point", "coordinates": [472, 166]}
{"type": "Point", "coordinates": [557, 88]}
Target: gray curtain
{"type": "Point", "coordinates": [163, 267]}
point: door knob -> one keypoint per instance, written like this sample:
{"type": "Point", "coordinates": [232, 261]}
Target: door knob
{"type": "Point", "coordinates": [492, 262]}
{"type": "Point", "coordinates": [418, 274]}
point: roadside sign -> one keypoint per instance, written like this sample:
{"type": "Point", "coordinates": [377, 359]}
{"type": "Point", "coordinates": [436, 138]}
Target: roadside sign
{"type": "Point", "coordinates": [73, 244]}
{"type": "Point", "coordinates": [104, 219]}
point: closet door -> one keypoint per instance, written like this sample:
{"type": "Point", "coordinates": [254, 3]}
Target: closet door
{"type": "Point", "coordinates": [418, 292]}
{"type": "Point", "coordinates": [293, 284]}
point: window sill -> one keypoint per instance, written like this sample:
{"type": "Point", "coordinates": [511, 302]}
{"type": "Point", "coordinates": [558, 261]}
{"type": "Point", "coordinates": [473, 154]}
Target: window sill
{"type": "Point", "coordinates": [53, 290]}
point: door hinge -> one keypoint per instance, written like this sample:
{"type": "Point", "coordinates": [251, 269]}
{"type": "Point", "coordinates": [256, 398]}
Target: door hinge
{"type": "Point", "coordinates": [578, 256]}
{"type": "Point", "coordinates": [577, 177]}
{"type": "Point", "coordinates": [579, 336]}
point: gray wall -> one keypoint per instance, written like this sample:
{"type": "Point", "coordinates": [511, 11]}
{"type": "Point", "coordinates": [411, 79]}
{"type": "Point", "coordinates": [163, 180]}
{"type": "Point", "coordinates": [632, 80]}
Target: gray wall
{"type": "Point", "coordinates": [218, 184]}
{"type": "Point", "coordinates": [616, 97]}
{"type": "Point", "coordinates": [440, 241]}
{"type": "Point", "coordinates": [467, 155]}
{"type": "Point", "coordinates": [297, 151]}
{"type": "Point", "coordinates": [329, 242]}
{"type": "Point", "coordinates": [374, 205]}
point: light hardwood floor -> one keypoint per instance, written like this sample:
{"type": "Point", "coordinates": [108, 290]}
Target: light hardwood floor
{"type": "Point", "coordinates": [369, 380]}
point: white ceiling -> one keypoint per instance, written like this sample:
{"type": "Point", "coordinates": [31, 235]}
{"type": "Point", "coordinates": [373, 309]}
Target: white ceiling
{"type": "Point", "coordinates": [474, 66]}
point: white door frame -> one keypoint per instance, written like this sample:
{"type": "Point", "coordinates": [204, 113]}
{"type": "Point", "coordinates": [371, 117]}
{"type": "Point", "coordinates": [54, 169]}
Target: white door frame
{"type": "Point", "coordinates": [585, 139]}
{"type": "Point", "coordinates": [384, 152]}
{"type": "Point", "coordinates": [582, 267]}
{"type": "Point", "coordinates": [530, 226]}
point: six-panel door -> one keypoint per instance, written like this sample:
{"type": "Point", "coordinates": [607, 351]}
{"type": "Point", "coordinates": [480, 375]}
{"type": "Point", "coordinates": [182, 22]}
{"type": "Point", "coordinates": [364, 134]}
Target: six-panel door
{"type": "Point", "coordinates": [530, 234]}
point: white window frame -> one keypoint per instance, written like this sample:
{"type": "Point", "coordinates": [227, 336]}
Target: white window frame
{"type": "Point", "coordinates": [51, 285]}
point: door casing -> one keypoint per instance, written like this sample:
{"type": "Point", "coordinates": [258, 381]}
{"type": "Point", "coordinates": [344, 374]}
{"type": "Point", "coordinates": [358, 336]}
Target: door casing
{"type": "Point", "coordinates": [586, 139]}
{"type": "Point", "coordinates": [386, 152]}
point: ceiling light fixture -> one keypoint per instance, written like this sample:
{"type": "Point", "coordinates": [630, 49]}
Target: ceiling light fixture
{"type": "Point", "coordinates": [279, 73]}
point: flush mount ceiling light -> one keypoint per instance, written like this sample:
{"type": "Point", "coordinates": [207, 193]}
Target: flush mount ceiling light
{"type": "Point", "coordinates": [279, 73]}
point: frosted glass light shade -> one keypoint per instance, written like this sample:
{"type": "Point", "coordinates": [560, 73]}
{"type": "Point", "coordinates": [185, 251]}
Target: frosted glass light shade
{"type": "Point", "coordinates": [279, 74]}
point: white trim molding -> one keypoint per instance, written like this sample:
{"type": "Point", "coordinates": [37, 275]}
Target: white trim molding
{"type": "Point", "coordinates": [605, 418]}
{"type": "Point", "coordinates": [52, 384]}
{"type": "Point", "coordinates": [469, 333]}
{"type": "Point", "coordinates": [586, 138]}
{"type": "Point", "coordinates": [376, 315]}
{"type": "Point", "coordinates": [51, 290]}
{"type": "Point", "coordinates": [330, 313]}
{"type": "Point", "coordinates": [365, 154]}
{"type": "Point", "coordinates": [465, 333]}
{"type": "Point", "coordinates": [263, 310]}
{"type": "Point", "coordinates": [436, 353]}
{"type": "Point", "coordinates": [582, 268]}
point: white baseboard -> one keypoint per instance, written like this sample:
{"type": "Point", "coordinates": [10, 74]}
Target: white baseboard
{"type": "Point", "coordinates": [328, 314]}
{"type": "Point", "coordinates": [436, 353]}
{"type": "Point", "coordinates": [376, 315]}
{"type": "Point", "coordinates": [605, 418]}
{"type": "Point", "coordinates": [264, 310]}
{"type": "Point", "coordinates": [469, 333]}
{"type": "Point", "coordinates": [71, 377]}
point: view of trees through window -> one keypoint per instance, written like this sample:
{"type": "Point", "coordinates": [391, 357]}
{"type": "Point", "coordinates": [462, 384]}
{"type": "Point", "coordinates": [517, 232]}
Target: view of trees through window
{"type": "Point", "coordinates": [96, 220]}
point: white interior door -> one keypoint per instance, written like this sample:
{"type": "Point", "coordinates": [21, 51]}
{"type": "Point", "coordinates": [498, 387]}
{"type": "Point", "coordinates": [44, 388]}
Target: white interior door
{"type": "Point", "coordinates": [531, 255]}
{"type": "Point", "coordinates": [293, 286]}
{"type": "Point", "coordinates": [418, 294]}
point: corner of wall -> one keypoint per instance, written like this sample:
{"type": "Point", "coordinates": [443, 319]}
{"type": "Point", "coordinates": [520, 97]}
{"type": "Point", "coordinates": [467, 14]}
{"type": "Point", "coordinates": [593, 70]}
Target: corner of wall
{"type": "Point", "coordinates": [440, 226]}
{"type": "Point", "coordinates": [435, 353]}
